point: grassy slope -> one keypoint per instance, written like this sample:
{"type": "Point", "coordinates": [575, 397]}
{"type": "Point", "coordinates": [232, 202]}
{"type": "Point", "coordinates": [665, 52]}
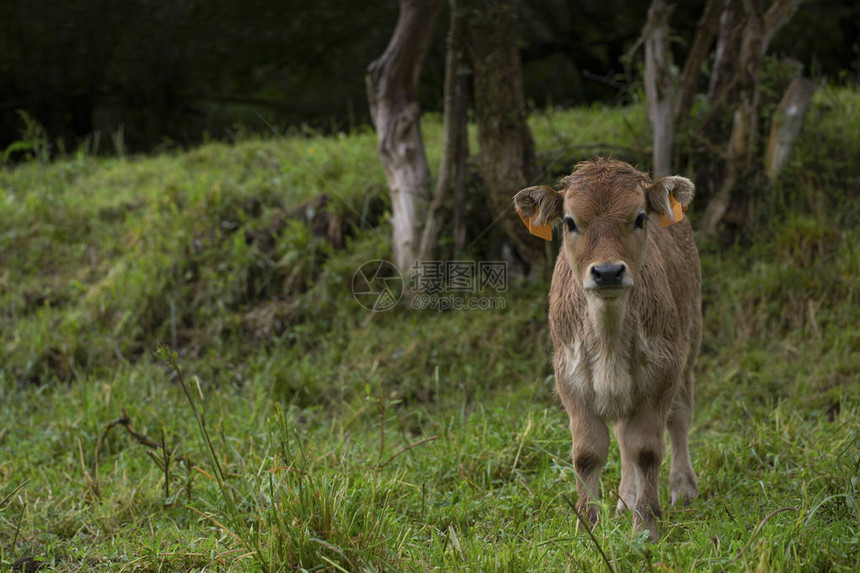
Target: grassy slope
{"type": "Point", "coordinates": [102, 258]}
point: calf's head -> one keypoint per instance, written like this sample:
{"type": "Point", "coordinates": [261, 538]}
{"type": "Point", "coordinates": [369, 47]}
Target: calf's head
{"type": "Point", "coordinates": [606, 207]}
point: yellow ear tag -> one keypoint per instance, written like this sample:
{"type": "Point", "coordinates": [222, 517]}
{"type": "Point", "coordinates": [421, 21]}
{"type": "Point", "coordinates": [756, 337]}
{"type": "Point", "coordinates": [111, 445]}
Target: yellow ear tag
{"type": "Point", "coordinates": [542, 231]}
{"type": "Point", "coordinates": [677, 212]}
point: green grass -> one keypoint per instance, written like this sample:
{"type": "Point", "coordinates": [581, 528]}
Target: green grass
{"type": "Point", "coordinates": [310, 408]}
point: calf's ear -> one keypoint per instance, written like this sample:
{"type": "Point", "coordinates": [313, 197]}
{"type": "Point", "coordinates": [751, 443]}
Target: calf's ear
{"type": "Point", "coordinates": [540, 205]}
{"type": "Point", "coordinates": [665, 192]}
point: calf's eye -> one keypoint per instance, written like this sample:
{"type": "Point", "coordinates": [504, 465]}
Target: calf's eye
{"type": "Point", "coordinates": [640, 221]}
{"type": "Point", "coordinates": [571, 224]}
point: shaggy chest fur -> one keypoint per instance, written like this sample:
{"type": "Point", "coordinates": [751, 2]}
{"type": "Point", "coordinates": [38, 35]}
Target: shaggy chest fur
{"type": "Point", "coordinates": [611, 362]}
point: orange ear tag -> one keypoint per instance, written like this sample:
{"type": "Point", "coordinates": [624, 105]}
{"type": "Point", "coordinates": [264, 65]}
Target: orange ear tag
{"type": "Point", "coordinates": [677, 212]}
{"type": "Point", "coordinates": [542, 231]}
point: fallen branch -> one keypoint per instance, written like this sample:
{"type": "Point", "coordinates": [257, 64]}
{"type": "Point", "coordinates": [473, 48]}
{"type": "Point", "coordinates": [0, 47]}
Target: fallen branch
{"type": "Point", "coordinates": [142, 439]}
{"type": "Point", "coordinates": [759, 528]}
{"type": "Point", "coordinates": [406, 449]}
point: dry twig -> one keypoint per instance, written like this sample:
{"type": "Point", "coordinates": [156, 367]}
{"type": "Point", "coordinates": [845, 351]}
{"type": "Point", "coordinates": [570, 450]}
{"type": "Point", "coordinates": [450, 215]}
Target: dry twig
{"type": "Point", "coordinates": [142, 439]}
{"type": "Point", "coordinates": [587, 526]}
{"type": "Point", "coordinates": [405, 449]}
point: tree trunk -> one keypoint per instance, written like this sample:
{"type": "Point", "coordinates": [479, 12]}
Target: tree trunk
{"type": "Point", "coordinates": [727, 53]}
{"type": "Point", "coordinates": [719, 203]}
{"type": "Point", "coordinates": [705, 32]}
{"type": "Point", "coordinates": [508, 161]}
{"type": "Point", "coordinates": [786, 125]}
{"type": "Point", "coordinates": [461, 157]}
{"type": "Point", "coordinates": [455, 146]}
{"type": "Point", "coordinates": [392, 90]}
{"type": "Point", "coordinates": [659, 92]}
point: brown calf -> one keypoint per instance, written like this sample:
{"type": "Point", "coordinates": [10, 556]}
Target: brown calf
{"type": "Point", "coordinates": [626, 322]}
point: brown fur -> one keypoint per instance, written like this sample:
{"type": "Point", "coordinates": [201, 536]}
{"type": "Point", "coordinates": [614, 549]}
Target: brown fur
{"type": "Point", "coordinates": [626, 354]}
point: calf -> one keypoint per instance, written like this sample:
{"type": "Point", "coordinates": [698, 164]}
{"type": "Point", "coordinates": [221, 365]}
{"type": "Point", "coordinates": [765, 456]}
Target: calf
{"type": "Point", "coordinates": [626, 323]}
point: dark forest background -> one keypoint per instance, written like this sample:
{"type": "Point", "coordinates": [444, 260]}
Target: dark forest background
{"type": "Point", "coordinates": [174, 72]}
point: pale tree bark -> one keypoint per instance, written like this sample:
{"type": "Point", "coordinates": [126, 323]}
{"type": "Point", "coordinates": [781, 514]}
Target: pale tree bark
{"type": "Point", "coordinates": [727, 52]}
{"type": "Point", "coordinates": [508, 161]}
{"type": "Point", "coordinates": [786, 125]}
{"type": "Point", "coordinates": [776, 17]}
{"type": "Point", "coordinates": [665, 105]}
{"type": "Point", "coordinates": [392, 90]}
{"type": "Point", "coordinates": [659, 89]}
{"type": "Point", "coordinates": [455, 146]}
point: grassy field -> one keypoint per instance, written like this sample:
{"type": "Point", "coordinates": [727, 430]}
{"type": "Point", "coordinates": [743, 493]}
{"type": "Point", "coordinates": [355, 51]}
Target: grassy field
{"type": "Point", "coordinates": [186, 382]}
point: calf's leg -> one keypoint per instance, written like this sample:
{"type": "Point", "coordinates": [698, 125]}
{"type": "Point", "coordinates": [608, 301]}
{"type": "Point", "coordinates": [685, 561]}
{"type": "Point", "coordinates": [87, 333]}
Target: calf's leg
{"type": "Point", "coordinates": [627, 488]}
{"type": "Point", "coordinates": [643, 441]}
{"type": "Point", "coordinates": [590, 448]}
{"type": "Point", "coordinates": [682, 478]}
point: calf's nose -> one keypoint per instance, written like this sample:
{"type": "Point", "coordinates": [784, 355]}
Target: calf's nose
{"type": "Point", "coordinates": [611, 275]}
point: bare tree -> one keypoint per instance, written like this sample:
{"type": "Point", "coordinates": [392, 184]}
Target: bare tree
{"type": "Point", "coordinates": [659, 89]}
{"type": "Point", "coordinates": [743, 31]}
{"type": "Point", "coordinates": [455, 146]}
{"type": "Point", "coordinates": [481, 35]}
{"type": "Point", "coordinates": [754, 29]}
{"type": "Point", "coordinates": [704, 39]}
{"type": "Point", "coordinates": [392, 90]}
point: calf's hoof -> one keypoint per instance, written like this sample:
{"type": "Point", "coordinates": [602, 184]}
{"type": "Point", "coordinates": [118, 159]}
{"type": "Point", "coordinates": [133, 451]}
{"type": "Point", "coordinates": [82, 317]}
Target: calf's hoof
{"type": "Point", "coordinates": [683, 488]}
{"type": "Point", "coordinates": [590, 512]}
{"type": "Point", "coordinates": [624, 505]}
{"type": "Point", "coordinates": [643, 520]}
